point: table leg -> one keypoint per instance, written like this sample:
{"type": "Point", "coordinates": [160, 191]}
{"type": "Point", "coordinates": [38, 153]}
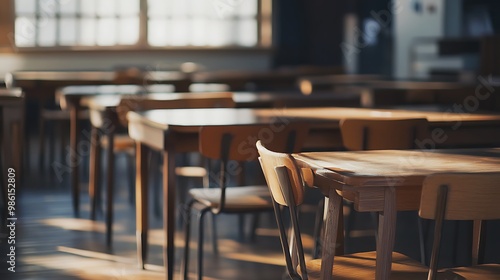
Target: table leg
{"type": "Point", "coordinates": [95, 170]}
{"type": "Point", "coordinates": [141, 200]}
{"type": "Point", "coordinates": [386, 235]}
{"type": "Point", "coordinates": [110, 155]}
{"type": "Point", "coordinates": [330, 237]}
{"type": "Point", "coordinates": [74, 160]}
{"type": "Point", "coordinates": [169, 211]}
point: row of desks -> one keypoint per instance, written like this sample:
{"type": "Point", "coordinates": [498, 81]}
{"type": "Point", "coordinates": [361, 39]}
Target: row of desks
{"type": "Point", "coordinates": [173, 131]}
{"type": "Point", "coordinates": [176, 130]}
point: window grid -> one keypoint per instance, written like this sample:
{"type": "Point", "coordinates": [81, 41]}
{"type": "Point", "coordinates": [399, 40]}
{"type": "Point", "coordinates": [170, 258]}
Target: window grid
{"type": "Point", "coordinates": [234, 28]}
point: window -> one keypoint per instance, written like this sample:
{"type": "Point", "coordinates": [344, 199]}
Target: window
{"type": "Point", "coordinates": [142, 23]}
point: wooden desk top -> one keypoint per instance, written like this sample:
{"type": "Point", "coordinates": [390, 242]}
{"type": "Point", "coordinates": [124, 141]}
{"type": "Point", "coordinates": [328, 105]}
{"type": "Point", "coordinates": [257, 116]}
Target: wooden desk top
{"type": "Point", "coordinates": [63, 95]}
{"type": "Point", "coordinates": [11, 94]}
{"type": "Point", "coordinates": [111, 97]}
{"type": "Point", "coordinates": [92, 75]}
{"type": "Point", "coordinates": [108, 102]}
{"type": "Point", "coordinates": [192, 119]}
{"type": "Point", "coordinates": [397, 168]}
{"type": "Point", "coordinates": [63, 76]}
{"type": "Point", "coordinates": [381, 82]}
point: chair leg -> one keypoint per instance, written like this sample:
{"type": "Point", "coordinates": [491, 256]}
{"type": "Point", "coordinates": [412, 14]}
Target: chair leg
{"type": "Point", "coordinates": [201, 215]}
{"type": "Point", "coordinates": [187, 233]}
{"type": "Point", "coordinates": [241, 227]}
{"type": "Point", "coordinates": [421, 239]}
{"type": "Point", "coordinates": [155, 159]}
{"type": "Point", "coordinates": [41, 148]}
{"type": "Point", "coordinates": [215, 245]}
{"type": "Point", "coordinates": [131, 180]}
{"type": "Point", "coordinates": [318, 228]}
{"type": "Point", "coordinates": [255, 224]}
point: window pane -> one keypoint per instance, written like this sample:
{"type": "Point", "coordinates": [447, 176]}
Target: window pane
{"type": "Point", "coordinates": [47, 8]}
{"type": "Point", "coordinates": [219, 33]}
{"type": "Point", "coordinates": [88, 32]}
{"type": "Point", "coordinates": [247, 8]}
{"type": "Point", "coordinates": [111, 22]}
{"type": "Point", "coordinates": [47, 32]}
{"type": "Point", "coordinates": [67, 31]}
{"type": "Point", "coordinates": [88, 7]}
{"type": "Point", "coordinates": [247, 33]}
{"type": "Point", "coordinates": [25, 33]}
{"type": "Point", "coordinates": [199, 32]}
{"type": "Point", "coordinates": [202, 8]}
{"type": "Point", "coordinates": [225, 8]}
{"type": "Point", "coordinates": [179, 8]}
{"type": "Point", "coordinates": [106, 32]}
{"type": "Point", "coordinates": [179, 32]}
{"type": "Point", "coordinates": [157, 34]}
{"type": "Point", "coordinates": [128, 7]}
{"type": "Point", "coordinates": [68, 7]}
{"type": "Point", "coordinates": [158, 7]}
{"type": "Point", "coordinates": [106, 8]}
{"type": "Point", "coordinates": [129, 31]}
{"type": "Point", "coordinates": [25, 6]}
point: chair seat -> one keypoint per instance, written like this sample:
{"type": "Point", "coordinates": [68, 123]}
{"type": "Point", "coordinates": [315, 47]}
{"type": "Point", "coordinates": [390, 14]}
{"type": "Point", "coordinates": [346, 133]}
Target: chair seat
{"type": "Point", "coordinates": [237, 198]}
{"type": "Point", "coordinates": [484, 271]}
{"type": "Point", "coordinates": [362, 266]}
{"type": "Point", "coordinates": [190, 171]}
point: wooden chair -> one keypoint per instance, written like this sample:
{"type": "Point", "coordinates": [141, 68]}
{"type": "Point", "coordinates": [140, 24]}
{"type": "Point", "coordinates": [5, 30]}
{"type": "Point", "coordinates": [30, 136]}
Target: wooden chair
{"type": "Point", "coordinates": [235, 143]}
{"type": "Point", "coordinates": [383, 134]}
{"type": "Point", "coordinates": [287, 183]}
{"type": "Point", "coordinates": [462, 197]}
{"type": "Point", "coordinates": [162, 101]}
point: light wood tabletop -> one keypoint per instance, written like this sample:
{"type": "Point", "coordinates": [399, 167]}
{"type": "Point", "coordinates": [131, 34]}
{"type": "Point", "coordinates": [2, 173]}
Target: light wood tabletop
{"type": "Point", "coordinates": [176, 130]}
{"type": "Point", "coordinates": [388, 181]}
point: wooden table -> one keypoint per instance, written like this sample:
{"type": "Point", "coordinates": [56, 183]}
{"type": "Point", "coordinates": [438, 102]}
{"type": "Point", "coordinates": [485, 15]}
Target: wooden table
{"type": "Point", "coordinates": [282, 78]}
{"type": "Point", "coordinates": [69, 99]}
{"type": "Point", "coordinates": [56, 79]}
{"type": "Point", "coordinates": [12, 118]}
{"type": "Point", "coordinates": [379, 91]}
{"type": "Point", "coordinates": [173, 131]}
{"type": "Point", "coordinates": [385, 182]}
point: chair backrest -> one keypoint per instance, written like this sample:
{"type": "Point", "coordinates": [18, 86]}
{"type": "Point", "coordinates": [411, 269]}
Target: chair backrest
{"type": "Point", "coordinates": [269, 161]}
{"type": "Point", "coordinates": [238, 142]}
{"type": "Point", "coordinates": [382, 134]}
{"type": "Point", "coordinates": [164, 101]}
{"type": "Point", "coordinates": [287, 186]}
{"type": "Point", "coordinates": [459, 197]}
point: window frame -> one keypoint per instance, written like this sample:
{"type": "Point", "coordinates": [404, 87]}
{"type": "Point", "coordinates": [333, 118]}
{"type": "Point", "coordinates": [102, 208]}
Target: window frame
{"type": "Point", "coordinates": [264, 34]}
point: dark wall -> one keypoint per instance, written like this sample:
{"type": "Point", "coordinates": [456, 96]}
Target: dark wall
{"type": "Point", "coordinates": [375, 58]}
{"type": "Point", "coordinates": [308, 32]}
{"type": "Point", "coordinates": [493, 8]}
